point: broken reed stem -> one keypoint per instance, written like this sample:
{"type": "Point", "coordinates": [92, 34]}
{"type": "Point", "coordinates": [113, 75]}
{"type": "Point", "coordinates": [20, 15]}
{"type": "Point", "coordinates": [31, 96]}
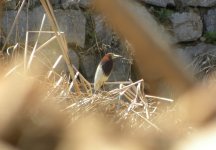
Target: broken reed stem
{"type": "Point", "coordinates": [54, 66]}
{"type": "Point", "coordinates": [25, 51]}
{"type": "Point", "coordinates": [160, 98]}
{"type": "Point", "coordinates": [13, 25]}
{"type": "Point", "coordinates": [128, 96]}
{"type": "Point", "coordinates": [117, 82]}
{"type": "Point", "coordinates": [10, 47]}
{"type": "Point", "coordinates": [51, 32]}
{"type": "Point", "coordinates": [48, 41]}
{"type": "Point", "coordinates": [62, 43]}
{"type": "Point", "coordinates": [36, 43]}
{"type": "Point", "coordinates": [125, 87]}
{"type": "Point", "coordinates": [12, 70]}
{"type": "Point", "coordinates": [149, 122]}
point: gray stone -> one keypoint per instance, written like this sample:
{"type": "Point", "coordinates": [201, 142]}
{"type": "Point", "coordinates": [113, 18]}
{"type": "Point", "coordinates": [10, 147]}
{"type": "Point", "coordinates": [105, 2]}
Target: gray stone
{"type": "Point", "coordinates": [19, 32]}
{"type": "Point", "coordinates": [33, 3]}
{"type": "Point", "coordinates": [35, 24]}
{"type": "Point", "coordinates": [68, 3]}
{"type": "Point", "coordinates": [184, 56]}
{"type": "Point", "coordinates": [10, 4]}
{"type": "Point", "coordinates": [187, 26]}
{"type": "Point", "coordinates": [55, 2]}
{"type": "Point", "coordinates": [88, 66]}
{"type": "Point", "coordinates": [201, 3]}
{"type": "Point", "coordinates": [62, 66]}
{"type": "Point", "coordinates": [85, 3]}
{"type": "Point", "coordinates": [49, 54]}
{"type": "Point", "coordinates": [71, 3]}
{"type": "Point", "coordinates": [72, 23]}
{"type": "Point", "coordinates": [103, 32]}
{"type": "Point", "coordinates": [198, 56]}
{"type": "Point", "coordinates": [74, 58]}
{"type": "Point", "coordinates": [210, 20]}
{"type": "Point", "coordinates": [161, 3]}
{"type": "Point", "coordinates": [35, 18]}
{"type": "Point", "coordinates": [201, 48]}
{"type": "Point", "coordinates": [121, 70]}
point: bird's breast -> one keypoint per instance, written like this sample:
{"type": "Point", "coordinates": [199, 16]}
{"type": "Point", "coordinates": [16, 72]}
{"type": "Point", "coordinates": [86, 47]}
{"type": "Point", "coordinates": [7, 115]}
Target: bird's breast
{"type": "Point", "coordinates": [107, 67]}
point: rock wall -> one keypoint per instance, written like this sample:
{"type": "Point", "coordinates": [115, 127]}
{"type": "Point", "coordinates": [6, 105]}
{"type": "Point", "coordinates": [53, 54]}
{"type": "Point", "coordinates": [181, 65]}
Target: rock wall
{"type": "Point", "coordinates": [190, 23]}
{"type": "Point", "coordinates": [192, 26]}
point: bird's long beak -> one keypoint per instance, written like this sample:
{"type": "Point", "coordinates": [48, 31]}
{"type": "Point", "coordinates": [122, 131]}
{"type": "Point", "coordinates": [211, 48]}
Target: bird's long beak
{"type": "Point", "coordinates": [116, 56]}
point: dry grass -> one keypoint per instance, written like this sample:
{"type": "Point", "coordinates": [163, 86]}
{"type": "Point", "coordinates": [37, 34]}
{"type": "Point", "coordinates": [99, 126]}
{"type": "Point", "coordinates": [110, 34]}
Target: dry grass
{"type": "Point", "coordinates": [204, 64]}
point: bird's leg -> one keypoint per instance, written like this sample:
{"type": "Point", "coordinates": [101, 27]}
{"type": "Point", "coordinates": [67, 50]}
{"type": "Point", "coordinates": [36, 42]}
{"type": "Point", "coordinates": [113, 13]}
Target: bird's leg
{"type": "Point", "coordinates": [103, 87]}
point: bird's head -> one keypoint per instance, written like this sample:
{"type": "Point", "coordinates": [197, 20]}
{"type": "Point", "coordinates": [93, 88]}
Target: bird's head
{"type": "Point", "coordinates": [113, 56]}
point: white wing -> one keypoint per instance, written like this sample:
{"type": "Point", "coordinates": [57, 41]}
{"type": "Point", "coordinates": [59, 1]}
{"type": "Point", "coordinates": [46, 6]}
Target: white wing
{"type": "Point", "coordinates": [99, 78]}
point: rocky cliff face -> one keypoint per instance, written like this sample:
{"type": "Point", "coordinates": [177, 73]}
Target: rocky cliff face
{"type": "Point", "coordinates": [190, 23]}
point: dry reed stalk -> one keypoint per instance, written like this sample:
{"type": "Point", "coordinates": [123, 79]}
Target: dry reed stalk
{"type": "Point", "coordinates": [84, 82]}
{"type": "Point", "coordinates": [126, 87]}
{"type": "Point", "coordinates": [160, 98]}
{"type": "Point", "coordinates": [26, 51]}
{"type": "Point", "coordinates": [12, 70]}
{"type": "Point", "coordinates": [14, 23]}
{"type": "Point", "coordinates": [47, 42]}
{"type": "Point", "coordinates": [149, 122]}
{"type": "Point", "coordinates": [28, 65]}
{"type": "Point", "coordinates": [137, 106]}
{"type": "Point", "coordinates": [54, 66]}
{"type": "Point", "coordinates": [61, 40]}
